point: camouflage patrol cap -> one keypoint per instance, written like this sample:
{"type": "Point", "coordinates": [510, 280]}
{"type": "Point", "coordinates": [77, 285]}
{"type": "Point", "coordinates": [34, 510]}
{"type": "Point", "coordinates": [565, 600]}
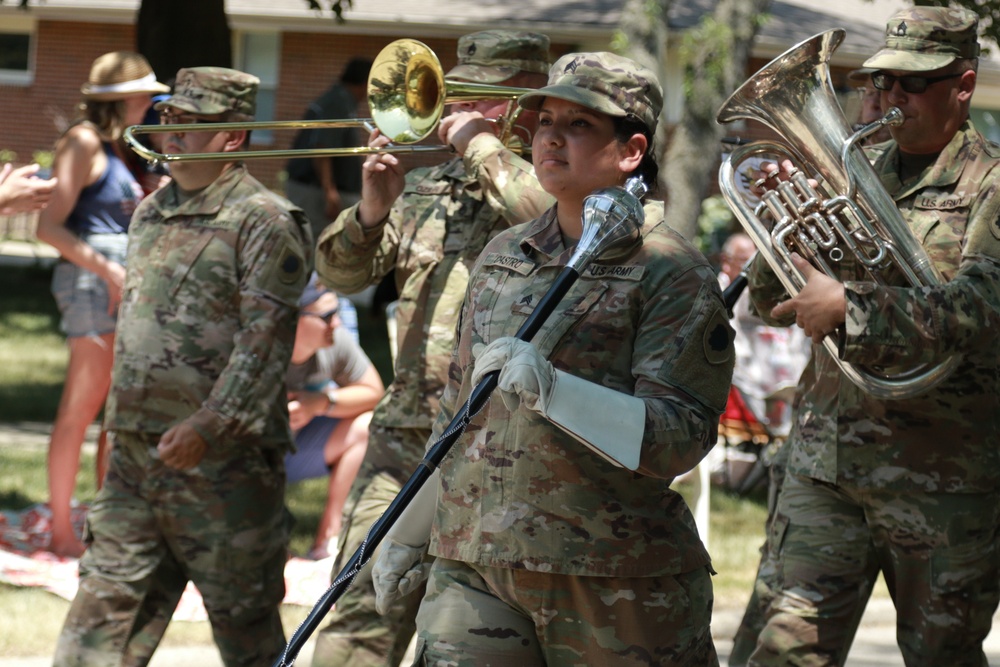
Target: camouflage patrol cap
{"type": "Point", "coordinates": [492, 56]}
{"type": "Point", "coordinates": [213, 90]}
{"type": "Point", "coordinates": [604, 82]}
{"type": "Point", "coordinates": [920, 39]}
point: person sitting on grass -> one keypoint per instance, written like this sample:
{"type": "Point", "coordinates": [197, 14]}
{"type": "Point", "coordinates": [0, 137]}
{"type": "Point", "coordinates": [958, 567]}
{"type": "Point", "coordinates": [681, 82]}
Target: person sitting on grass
{"type": "Point", "coordinates": [332, 388]}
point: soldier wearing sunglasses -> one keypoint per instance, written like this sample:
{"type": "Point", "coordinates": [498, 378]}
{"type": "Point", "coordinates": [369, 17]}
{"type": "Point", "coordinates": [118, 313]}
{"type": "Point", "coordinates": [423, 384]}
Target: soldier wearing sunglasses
{"type": "Point", "coordinates": [907, 487]}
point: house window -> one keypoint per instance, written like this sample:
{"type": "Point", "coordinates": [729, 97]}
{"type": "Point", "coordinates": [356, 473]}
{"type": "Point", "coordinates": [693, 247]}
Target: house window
{"type": "Point", "coordinates": [17, 37]}
{"type": "Point", "coordinates": [259, 53]}
{"type": "Point", "coordinates": [987, 121]}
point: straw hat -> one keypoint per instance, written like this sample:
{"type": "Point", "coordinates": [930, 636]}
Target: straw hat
{"type": "Point", "coordinates": [119, 74]}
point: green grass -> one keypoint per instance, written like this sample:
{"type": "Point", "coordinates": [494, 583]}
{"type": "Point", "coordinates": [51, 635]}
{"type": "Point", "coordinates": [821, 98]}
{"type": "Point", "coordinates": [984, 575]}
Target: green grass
{"type": "Point", "coordinates": [32, 366]}
{"type": "Point", "coordinates": [33, 359]}
{"type": "Point", "coordinates": [33, 617]}
{"type": "Point", "coordinates": [33, 352]}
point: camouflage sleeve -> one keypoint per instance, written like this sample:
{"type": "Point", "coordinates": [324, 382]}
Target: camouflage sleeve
{"type": "Point", "coordinates": [766, 292]}
{"type": "Point", "coordinates": [508, 180]}
{"type": "Point", "coordinates": [349, 257]}
{"type": "Point", "coordinates": [274, 262]}
{"type": "Point", "coordinates": [899, 325]}
{"type": "Point", "coordinates": [905, 325]}
{"type": "Point", "coordinates": [683, 378]}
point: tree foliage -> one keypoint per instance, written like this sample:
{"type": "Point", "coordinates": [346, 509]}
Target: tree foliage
{"type": "Point", "coordinates": [714, 56]}
{"type": "Point", "coordinates": [335, 6]}
{"type": "Point", "coordinates": [988, 11]}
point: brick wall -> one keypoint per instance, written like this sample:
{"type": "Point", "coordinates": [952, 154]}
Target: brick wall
{"type": "Point", "coordinates": [35, 115]}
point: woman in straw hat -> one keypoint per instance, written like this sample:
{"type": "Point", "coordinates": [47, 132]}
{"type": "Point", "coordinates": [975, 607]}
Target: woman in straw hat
{"type": "Point", "coordinates": [100, 182]}
{"type": "Point", "coordinates": [556, 537]}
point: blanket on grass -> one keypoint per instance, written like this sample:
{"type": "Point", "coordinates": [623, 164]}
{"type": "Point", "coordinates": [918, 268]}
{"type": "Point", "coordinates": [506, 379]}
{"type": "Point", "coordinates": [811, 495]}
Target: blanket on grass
{"type": "Point", "coordinates": [24, 536]}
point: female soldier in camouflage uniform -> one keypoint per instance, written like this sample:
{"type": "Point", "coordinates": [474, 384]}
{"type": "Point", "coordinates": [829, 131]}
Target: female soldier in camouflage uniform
{"type": "Point", "coordinates": [554, 548]}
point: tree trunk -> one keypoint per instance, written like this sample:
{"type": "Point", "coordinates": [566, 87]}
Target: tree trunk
{"type": "Point", "coordinates": [642, 35]}
{"type": "Point", "coordinates": [183, 33]}
{"type": "Point", "coordinates": [716, 56]}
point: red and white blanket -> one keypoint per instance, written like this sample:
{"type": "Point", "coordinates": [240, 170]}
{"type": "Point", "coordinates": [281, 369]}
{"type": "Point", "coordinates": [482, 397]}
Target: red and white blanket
{"type": "Point", "coordinates": [24, 535]}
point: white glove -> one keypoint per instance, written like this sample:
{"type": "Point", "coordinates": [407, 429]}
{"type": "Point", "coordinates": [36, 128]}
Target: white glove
{"type": "Point", "coordinates": [399, 570]}
{"type": "Point", "coordinates": [607, 421]}
{"type": "Point", "coordinates": [399, 567]}
{"type": "Point", "coordinates": [525, 375]}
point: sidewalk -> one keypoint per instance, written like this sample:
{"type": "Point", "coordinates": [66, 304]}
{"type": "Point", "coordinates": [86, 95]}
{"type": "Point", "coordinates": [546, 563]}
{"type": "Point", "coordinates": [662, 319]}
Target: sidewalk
{"type": "Point", "coordinates": [874, 646]}
{"type": "Point", "coordinates": [26, 253]}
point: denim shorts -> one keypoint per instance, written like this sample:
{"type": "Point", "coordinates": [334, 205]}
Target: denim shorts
{"type": "Point", "coordinates": [82, 297]}
{"type": "Point", "coordinates": [309, 459]}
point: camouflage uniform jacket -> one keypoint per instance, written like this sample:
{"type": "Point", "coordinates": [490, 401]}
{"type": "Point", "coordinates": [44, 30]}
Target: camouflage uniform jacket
{"type": "Point", "coordinates": [209, 311]}
{"type": "Point", "coordinates": [944, 440]}
{"type": "Point", "coordinates": [646, 320]}
{"type": "Point", "coordinates": [432, 236]}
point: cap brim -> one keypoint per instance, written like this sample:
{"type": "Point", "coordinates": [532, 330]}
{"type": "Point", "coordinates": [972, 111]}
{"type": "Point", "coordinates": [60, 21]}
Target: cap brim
{"type": "Point", "coordinates": [188, 105]}
{"type": "Point", "coordinates": [908, 61]}
{"type": "Point", "coordinates": [481, 73]}
{"type": "Point", "coordinates": [588, 98]}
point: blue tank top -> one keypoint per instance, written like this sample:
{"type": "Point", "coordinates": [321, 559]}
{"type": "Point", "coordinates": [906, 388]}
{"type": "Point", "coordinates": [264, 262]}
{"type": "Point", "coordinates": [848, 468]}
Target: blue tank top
{"type": "Point", "coordinates": [106, 206]}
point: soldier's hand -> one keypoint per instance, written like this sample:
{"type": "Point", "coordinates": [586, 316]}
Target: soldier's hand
{"type": "Point", "coordinates": [398, 571]}
{"type": "Point", "coordinates": [382, 180]}
{"type": "Point", "coordinates": [820, 306]}
{"type": "Point", "coordinates": [182, 447]}
{"type": "Point", "coordinates": [771, 175]}
{"type": "Point", "coordinates": [459, 128]}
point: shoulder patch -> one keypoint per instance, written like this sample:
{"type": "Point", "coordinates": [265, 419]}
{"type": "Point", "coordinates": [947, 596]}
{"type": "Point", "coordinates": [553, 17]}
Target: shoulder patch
{"type": "Point", "coordinates": [290, 267]}
{"type": "Point", "coordinates": [992, 149]}
{"type": "Point", "coordinates": [717, 338]}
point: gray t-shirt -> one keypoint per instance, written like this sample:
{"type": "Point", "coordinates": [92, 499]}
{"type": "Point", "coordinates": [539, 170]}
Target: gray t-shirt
{"type": "Point", "coordinates": [343, 363]}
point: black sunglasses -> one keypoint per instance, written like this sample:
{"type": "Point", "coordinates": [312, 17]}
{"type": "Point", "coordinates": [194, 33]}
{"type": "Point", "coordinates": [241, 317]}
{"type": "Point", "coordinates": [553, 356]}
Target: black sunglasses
{"type": "Point", "coordinates": [326, 317]}
{"type": "Point", "coordinates": [911, 83]}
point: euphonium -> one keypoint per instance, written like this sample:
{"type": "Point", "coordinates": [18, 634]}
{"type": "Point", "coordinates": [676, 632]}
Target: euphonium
{"type": "Point", "coordinates": [793, 95]}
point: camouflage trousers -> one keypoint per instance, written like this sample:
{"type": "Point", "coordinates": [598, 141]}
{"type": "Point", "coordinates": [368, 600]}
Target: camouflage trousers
{"type": "Point", "coordinates": [474, 616]}
{"type": "Point", "coordinates": [356, 634]}
{"type": "Point", "coordinates": [221, 524]}
{"type": "Point", "coordinates": [936, 551]}
{"type": "Point", "coordinates": [766, 583]}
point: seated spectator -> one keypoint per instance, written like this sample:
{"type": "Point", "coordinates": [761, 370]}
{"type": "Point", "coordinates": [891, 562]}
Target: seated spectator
{"type": "Point", "coordinates": [333, 387]}
{"type": "Point", "coordinates": [768, 359]}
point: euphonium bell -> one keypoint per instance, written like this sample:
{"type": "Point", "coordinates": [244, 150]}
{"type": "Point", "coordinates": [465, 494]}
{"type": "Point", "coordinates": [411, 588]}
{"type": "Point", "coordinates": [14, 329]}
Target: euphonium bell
{"type": "Point", "coordinates": [793, 95]}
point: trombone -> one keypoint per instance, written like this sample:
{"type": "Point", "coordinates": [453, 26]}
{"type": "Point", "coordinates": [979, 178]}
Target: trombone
{"type": "Point", "coordinates": [407, 94]}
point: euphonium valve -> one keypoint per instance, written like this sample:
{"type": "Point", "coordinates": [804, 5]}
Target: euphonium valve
{"type": "Point", "coordinates": [793, 95]}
